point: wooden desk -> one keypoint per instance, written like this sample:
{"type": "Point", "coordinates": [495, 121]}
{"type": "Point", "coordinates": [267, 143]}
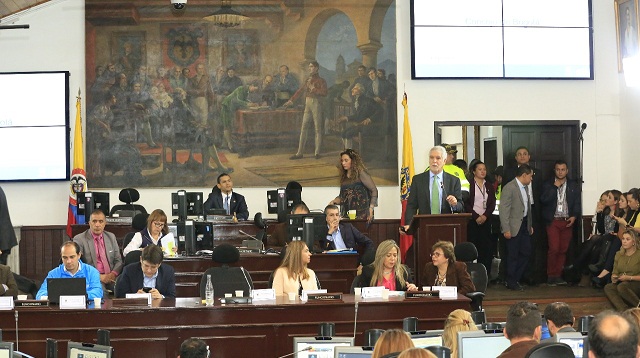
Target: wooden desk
{"type": "Point", "coordinates": [257, 330]}
{"type": "Point", "coordinates": [335, 271]}
{"type": "Point", "coordinates": [270, 128]}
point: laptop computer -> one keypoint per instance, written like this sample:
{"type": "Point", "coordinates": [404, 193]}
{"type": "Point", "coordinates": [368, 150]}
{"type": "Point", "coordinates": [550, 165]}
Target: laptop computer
{"type": "Point", "coordinates": [57, 287]}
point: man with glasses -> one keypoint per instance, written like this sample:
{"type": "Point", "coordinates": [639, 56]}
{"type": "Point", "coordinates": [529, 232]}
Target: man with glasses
{"type": "Point", "coordinates": [100, 250]}
{"type": "Point", "coordinates": [148, 277]}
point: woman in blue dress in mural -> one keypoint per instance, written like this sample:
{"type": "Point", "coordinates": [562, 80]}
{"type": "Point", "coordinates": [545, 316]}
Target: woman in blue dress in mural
{"type": "Point", "coordinates": [357, 190]}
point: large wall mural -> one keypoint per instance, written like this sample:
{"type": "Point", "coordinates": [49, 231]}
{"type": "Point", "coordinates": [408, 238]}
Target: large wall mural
{"type": "Point", "coordinates": [175, 100]}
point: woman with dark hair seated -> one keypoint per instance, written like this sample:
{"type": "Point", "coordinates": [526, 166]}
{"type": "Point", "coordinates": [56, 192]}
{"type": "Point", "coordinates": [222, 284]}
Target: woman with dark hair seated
{"type": "Point", "coordinates": [607, 225]}
{"type": "Point", "coordinates": [444, 270]}
{"type": "Point", "coordinates": [293, 274]}
{"type": "Point", "coordinates": [387, 270]}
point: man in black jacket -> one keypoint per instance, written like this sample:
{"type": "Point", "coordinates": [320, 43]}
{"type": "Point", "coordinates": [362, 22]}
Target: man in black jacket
{"type": "Point", "coordinates": [223, 197]}
{"type": "Point", "coordinates": [366, 112]}
{"type": "Point", "coordinates": [340, 235]}
{"type": "Point", "coordinates": [561, 208]}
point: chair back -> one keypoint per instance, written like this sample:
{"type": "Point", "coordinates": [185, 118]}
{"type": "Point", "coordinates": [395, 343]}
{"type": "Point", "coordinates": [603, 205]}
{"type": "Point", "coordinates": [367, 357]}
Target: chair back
{"type": "Point", "coordinates": [479, 276]}
{"type": "Point", "coordinates": [440, 351]}
{"type": "Point", "coordinates": [479, 317]}
{"type": "Point", "coordinates": [128, 196]}
{"type": "Point", "coordinates": [132, 257]}
{"type": "Point", "coordinates": [550, 350]}
{"type": "Point", "coordinates": [227, 279]}
{"type": "Point", "coordinates": [355, 283]}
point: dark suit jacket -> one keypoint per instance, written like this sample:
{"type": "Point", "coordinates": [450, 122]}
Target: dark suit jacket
{"type": "Point", "coordinates": [7, 234]}
{"type": "Point", "coordinates": [351, 237]}
{"type": "Point", "coordinates": [457, 275]}
{"type": "Point", "coordinates": [549, 200]}
{"type": "Point", "coordinates": [512, 209]}
{"type": "Point", "coordinates": [419, 201]}
{"type": "Point", "coordinates": [367, 273]}
{"type": "Point", "coordinates": [131, 280]}
{"type": "Point", "coordinates": [88, 249]}
{"type": "Point", "coordinates": [6, 277]}
{"type": "Point", "coordinates": [237, 204]}
{"type": "Point", "coordinates": [367, 108]}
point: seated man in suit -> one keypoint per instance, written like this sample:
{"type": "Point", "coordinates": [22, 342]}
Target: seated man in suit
{"type": "Point", "coordinates": [72, 267]}
{"type": "Point", "coordinates": [342, 236]}
{"type": "Point", "coordinates": [150, 276]}
{"type": "Point", "coordinates": [223, 197]}
{"type": "Point", "coordinates": [8, 285]}
{"type": "Point", "coordinates": [100, 250]}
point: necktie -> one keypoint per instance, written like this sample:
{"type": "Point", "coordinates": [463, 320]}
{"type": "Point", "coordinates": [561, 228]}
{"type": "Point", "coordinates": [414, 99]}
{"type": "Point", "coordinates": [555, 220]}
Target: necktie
{"type": "Point", "coordinates": [102, 255]}
{"type": "Point", "coordinates": [356, 104]}
{"type": "Point", "coordinates": [226, 204]}
{"type": "Point", "coordinates": [435, 196]}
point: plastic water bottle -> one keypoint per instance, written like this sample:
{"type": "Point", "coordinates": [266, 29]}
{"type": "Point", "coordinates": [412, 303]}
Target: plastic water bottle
{"type": "Point", "coordinates": [208, 292]}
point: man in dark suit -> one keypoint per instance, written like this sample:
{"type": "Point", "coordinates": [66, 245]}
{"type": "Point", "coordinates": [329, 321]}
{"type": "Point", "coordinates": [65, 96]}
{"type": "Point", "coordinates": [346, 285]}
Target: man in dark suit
{"type": "Point", "coordinates": [366, 112]}
{"type": "Point", "coordinates": [223, 197]}
{"type": "Point", "coordinates": [341, 235]}
{"type": "Point", "coordinates": [422, 198]}
{"type": "Point", "coordinates": [561, 206]}
{"type": "Point", "coordinates": [100, 249]}
{"type": "Point", "coordinates": [150, 276]}
{"type": "Point", "coordinates": [516, 224]}
{"type": "Point", "coordinates": [7, 234]}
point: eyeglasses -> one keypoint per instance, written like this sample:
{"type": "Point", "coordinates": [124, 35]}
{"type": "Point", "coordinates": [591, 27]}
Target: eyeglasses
{"type": "Point", "coordinates": [158, 225]}
{"type": "Point", "coordinates": [436, 254]}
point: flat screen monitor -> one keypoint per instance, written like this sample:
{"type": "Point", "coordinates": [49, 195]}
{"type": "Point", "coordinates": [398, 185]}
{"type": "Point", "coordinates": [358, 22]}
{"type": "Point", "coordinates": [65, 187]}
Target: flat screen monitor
{"type": "Point", "coordinates": [6, 349]}
{"type": "Point", "coordinates": [203, 234]}
{"type": "Point", "coordinates": [310, 228]}
{"type": "Point", "coordinates": [427, 339]}
{"type": "Point", "coordinates": [88, 350]}
{"type": "Point", "coordinates": [90, 201]}
{"type": "Point", "coordinates": [352, 352]}
{"type": "Point", "coordinates": [481, 345]}
{"type": "Point", "coordinates": [184, 204]}
{"type": "Point", "coordinates": [293, 196]}
{"type": "Point", "coordinates": [44, 121]}
{"type": "Point", "coordinates": [506, 39]}
{"type": "Point", "coordinates": [575, 340]}
{"type": "Point", "coordinates": [319, 348]}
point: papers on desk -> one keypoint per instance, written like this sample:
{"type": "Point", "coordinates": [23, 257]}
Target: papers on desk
{"type": "Point", "coordinates": [341, 251]}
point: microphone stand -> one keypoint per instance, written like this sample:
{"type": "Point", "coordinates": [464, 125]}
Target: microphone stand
{"type": "Point", "coordinates": [581, 176]}
{"type": "Point", "coordinates": [302, 350]}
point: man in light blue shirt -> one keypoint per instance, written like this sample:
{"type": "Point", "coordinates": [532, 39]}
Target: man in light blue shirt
{"type": "Point", "coordinates": [342, 236]}
{"type": "Point", "coordinates": [71, 267]}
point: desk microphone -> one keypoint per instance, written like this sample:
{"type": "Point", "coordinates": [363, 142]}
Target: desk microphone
{"type": "Point", "coordinates": [15, 314]}
{"type": "Point", "coordinates": [302, 350]}
{"type": "Point", "coordinates": [355, 321]}
{"type": "Point", "coordinates": [253, 237]}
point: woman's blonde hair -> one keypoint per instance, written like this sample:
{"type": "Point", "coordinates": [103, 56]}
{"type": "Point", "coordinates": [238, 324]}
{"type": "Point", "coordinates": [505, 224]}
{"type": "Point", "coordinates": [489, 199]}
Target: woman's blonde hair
{"type": "Point", "coordinates": [457, 321]}
{"type": "Point", "coordinates": [416, 353]}
{"type": "Point", "coordinates": [391, 341]}
{"type": "Point", "coordinates": [400, 270]}
{"type": "Point", "coordinates": [634, 237]}
{"type": "Point", "coordinates": [293, 260]}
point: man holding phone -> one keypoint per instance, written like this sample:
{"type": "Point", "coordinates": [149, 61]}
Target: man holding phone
{"type": "Point", "coordinates": [148, 277]}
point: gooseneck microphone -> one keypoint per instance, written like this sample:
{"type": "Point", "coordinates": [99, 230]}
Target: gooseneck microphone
{"type": "Point", "coordinates": [355, 321]}
{"type": "Point", "coordinates": [253, 237]}
{"type": "Point", "coordinates": [302, 350]}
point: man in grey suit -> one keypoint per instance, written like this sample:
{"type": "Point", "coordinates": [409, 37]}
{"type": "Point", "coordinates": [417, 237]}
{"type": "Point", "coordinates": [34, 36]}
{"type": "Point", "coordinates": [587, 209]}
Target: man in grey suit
{"type": "Point", "coordinates": [100, 249]}
{"type": "Point", "coordinates": [516, 223]}
{"type": "Point", "coordinates": [447, 199]}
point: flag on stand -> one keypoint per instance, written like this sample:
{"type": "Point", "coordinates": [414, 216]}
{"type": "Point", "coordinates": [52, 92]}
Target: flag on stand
{"type": "Point", "coordinates": [78, 176]}
{"type": "Point", "coordinates": [406, 174]}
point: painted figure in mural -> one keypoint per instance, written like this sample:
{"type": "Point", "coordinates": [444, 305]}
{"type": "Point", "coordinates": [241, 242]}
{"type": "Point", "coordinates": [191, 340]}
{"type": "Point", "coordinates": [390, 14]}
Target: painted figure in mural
{"type": "Point", "coordinates": [334, 96]}
{"type": "Point", "coordinates": [200, 93]}
{"type": "Point", "coordinates": [242, 57]}
{"type": "Point", "coordinates": [142, 77]}
{"type": "Point", "coordinates": [129, 59]}
{"type": "Point", "coordinates": [139, 102]}
{"type": "Point", "coordinates": [230, 82]}
{"type": "Point", "coordinates": [177, 79]}
{"type": "Point", "coordinates": [314, 89]}
{"type": "Point", "coordinates": [365, 113]}
{"type": "Point", "coordinates": [362, 78]}
{"type": "Point", "coordinates": [265, 96]}
{"type": "Point", "coordinates": [238, 99]}
{"type": "Point", "coordinates": [285, 85]}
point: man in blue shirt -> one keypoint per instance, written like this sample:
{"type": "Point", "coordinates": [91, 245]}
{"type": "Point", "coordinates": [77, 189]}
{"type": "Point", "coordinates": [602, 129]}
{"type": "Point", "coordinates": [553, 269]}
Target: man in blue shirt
{"type": "Point", "coordinates": [72, 267]}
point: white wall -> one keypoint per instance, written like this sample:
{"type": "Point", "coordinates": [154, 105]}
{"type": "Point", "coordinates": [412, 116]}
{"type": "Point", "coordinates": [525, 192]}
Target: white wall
{"type": "Point", "coordinates": [56, 42]}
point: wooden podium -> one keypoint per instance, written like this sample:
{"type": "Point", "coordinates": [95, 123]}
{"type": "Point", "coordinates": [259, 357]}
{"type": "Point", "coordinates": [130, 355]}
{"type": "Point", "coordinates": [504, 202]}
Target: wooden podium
{"type": "Point", "coordinates": [427, 230]}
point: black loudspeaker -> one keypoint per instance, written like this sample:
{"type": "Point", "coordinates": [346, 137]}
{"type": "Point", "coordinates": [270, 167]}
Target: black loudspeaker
{"type": "Point", "coordinates": [410, 324]}
{"type": "Point", "coordinates": [104, 337]}
{"type": "Point", "coordinates": [327, 329]}
{"type": "Point", "coordinates": [52, 348]}
{"type": "Point", "coordinates": [308, 234]}
{"type": "Point", "coordinates": [189, 238]}
{"type": "Point", "coordinates": [282, 205]}
{"type": "Point", "coordinates": [371, 336]}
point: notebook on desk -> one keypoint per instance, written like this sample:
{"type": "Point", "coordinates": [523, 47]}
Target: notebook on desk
{"type": "Point", "coordinates": [57, 287]}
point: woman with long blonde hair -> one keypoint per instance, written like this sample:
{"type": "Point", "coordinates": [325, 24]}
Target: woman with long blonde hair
{"type": "Point", "coordinates": [293, 275]}
{"type": "Point", "coordinates": [387, 270]}
{"type": "Point", "coordinates": [457, 321]}
{"type": "Point", "coordinates": [392, 341]}
{"type": "Point", "coordinates": [416, 353]}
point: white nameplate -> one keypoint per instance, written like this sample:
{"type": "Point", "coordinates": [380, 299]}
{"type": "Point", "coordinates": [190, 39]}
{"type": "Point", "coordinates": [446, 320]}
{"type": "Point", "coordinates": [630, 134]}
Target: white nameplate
{"type": "Point", "coordinates": [446, 292]}
{"type": "Point", "coordinates": [372, 292]}
{"type": "Point", "coordinates": [306, 292]}
{"type": "Point", "coordinates": [140, 295]}
{"type": "Point", "coordinates": [263, 294]}
{"type": "Point", "coordinates": [73, 302]}
{"type": "Point", "coordinates": [6, 303]}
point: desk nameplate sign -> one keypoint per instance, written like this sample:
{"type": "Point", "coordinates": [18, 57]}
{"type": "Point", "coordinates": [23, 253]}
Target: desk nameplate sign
{"type": "Point", "coordinates": [73, 302]}
{"type": "Point", "coordinates": [266, 294]}
{"type": "Point", "coordinates": [446, 292]}
{"type": "Point", "coordinates": [305, 293]}
{"type": "Point", "coordinates": [31, 303]}
{"type": "Point", "coordinates": [130, 302]}
{"type": "Point", "coordinates": [334, 296]}
{"type": "Point", "coordinates": [372, 292]}
{"type": "Point", "coordinates": [6, 303]}
{"type": "Point", "coordinates": [421, 294]}
{"type": "Point", "coordinates": [146, 296]}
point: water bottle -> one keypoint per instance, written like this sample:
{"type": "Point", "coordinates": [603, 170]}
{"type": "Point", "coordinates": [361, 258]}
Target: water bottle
{"type": "Point", "coordinates": [208, 292]}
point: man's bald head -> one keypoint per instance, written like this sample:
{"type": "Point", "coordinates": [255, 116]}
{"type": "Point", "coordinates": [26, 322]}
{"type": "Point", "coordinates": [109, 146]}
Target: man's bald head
{"type": "Point", "coordinates": [612, 335]}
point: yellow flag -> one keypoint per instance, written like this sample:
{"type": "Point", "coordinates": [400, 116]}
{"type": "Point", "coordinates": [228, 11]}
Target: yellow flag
{"type": "Point", "coordinates": [78, 181]}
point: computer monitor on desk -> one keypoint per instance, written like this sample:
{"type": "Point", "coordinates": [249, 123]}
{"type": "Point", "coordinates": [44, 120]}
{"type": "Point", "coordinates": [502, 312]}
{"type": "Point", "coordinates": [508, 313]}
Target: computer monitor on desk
{"type": "Point", "coordinates": [89, 201]}
{"type": "Point", "coordinates": [185, 204]}
{"type": "Point", "coordinates": [203, 234]}
{"type": "Point", "coordinates": [477, 344]}
{"type": "Point", "coordinates": [427, 339]}
{"type": "Point", "coordinates": [80, 350]}
{"type": "Point", "coordinates": [579, 344]}
{"type": "Point", "coordinates": [6, 349]}
{"type": "Point", "coordinates": [352, 352]}
{"type": "Point", "coordinates": [318, 346]}
{"type": "Point", "coordinates": [310, 228]}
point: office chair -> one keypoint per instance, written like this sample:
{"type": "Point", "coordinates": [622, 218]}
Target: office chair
{"type": "Point", "coordinates": [439, 351]}
{"type": "Point", "coordinates": [226, 279]}
{"type": "Point", "coordinates": [550, 350]}
{"type": "Point", "coordinates": [132, 257]}
{"type": "Point", "coordinates": [479, 317]}
{"type": "Point", "coordinates": [138, 224]}
{"type": "Point", "coordinates": [128, 196]}
{"type": "Point", "coordinates": [467, 253]}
